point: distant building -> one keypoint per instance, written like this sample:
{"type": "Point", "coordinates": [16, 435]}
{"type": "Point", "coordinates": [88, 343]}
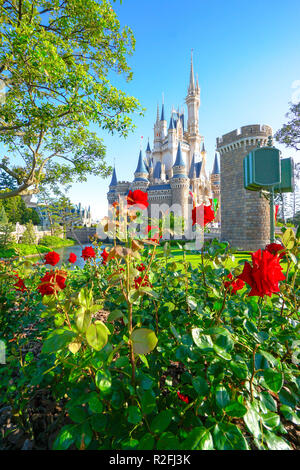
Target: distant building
{"type": "Point", "coordinates": [80, 214]}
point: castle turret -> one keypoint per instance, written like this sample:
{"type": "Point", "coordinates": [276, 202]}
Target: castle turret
{"type": "Point", "coordinates": [193, 102]}
{"type": "Point", "coordinates": [111, 195]}
{"type": "Point", "coordinates": [180, 185]}
{"type": "Point", "coordinates": [245, 214]}
{"type": "Point", "coordinates": [140, 175]}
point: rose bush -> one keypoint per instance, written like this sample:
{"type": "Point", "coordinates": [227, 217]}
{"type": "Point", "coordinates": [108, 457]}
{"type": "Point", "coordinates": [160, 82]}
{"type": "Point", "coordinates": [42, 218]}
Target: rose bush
{"type": "Point", "coordinates": [144, 352]}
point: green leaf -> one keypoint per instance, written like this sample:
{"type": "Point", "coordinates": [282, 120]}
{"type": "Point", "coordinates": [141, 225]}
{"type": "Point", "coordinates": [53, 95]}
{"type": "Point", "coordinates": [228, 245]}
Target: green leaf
{"type": "Point", "coordinates": [77, 414]}
{"type": "Point", "coordinates": [83, 319]}
{"type": "Point", "coordinates": [148, 402]}
{"type": "Point", "coordinates": [270, 420]}
{"type": "Point", "coordinates": [168, 441]}
{"type": "Point", "coordinates": [115, 315]}
{"type": "Point", "coordinates": [147, 442]}
{"type": "Point", "coordinates": [198, 439]}
{"type": "Point", "coordinates": [251, 419]}
{"type": "Point", "coordinates": [273, 380]}
{"type": "Point", "coordinates": [103, 380]}
{"type": "Point", "coordinates": [268, 401]}
{"type": "Point", "coordinates": [95, 403]}
{"type": "Point", "coordinates": [203, 342]}
{"type": "Point", "coordinates": [240, 369]}
{"type": "Point", "coordinates": [228, 437]}
{"type": "Point", "coordinates": [57, 340]}
{"type": "Point", "coordinates": [144, 340]}
{"type": "Point", "coordinates": [134, 415]}
{"type": "Point", "coordinates": [222, 396]}
{"type": "Point", "coordinates": [97, 335]}
{"type": "Point", "coordinates": [200, 385]}
{"type": "Point", "coordinates": [161, 421]}
{"type": "Point", "coordinates": [236, 409]}
{"type": "Point", "coordinates": [288, 238]}
{"type": "Point", "coordinates": [276, 443]}
{"type": "Point", "coordinates": [65, 438]}
{"type": "Point", "coordinates": [289, 414]}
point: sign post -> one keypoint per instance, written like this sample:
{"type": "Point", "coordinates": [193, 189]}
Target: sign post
{"type": "Point", "coordinates": [264, 170]}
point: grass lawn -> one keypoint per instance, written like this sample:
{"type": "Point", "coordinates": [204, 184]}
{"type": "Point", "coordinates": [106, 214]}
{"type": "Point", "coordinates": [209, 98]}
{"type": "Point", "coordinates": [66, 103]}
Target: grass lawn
{"type": "Point", "coordinates": [195, 258]}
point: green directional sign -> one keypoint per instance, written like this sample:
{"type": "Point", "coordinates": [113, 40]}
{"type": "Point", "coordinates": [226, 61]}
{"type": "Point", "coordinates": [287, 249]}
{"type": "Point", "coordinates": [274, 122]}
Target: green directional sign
{"type": "Point", "coordinates": [262, 169]}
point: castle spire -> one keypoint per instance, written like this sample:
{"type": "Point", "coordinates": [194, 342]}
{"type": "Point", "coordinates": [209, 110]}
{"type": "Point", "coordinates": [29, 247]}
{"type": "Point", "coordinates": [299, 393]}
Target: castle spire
{"type": "Point", "coordinates": [162, 117]}
{"type": "Point", "coordinates": [114, 181]}
{"type": "Point", "coordinates": [179, 159]}
{"type": "Point", "coordinates": [157, 114]}
{"type": "Point", "coordinates": [171, 125]}
{"type": "Point", "coordinates": [216, 169]}
{"type": "Point", "coordinates": [192, 80]}
{"type": "Point", "coordinates": [141, 167]}
{"type": "Point", "coordinates": [148, 149]}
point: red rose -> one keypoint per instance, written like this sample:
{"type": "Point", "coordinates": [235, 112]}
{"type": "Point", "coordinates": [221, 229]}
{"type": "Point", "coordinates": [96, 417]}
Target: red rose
{"type": "Point", "coordinates": [234, 284]}
{"type": "Point", "coordinates": [274, 248]}
{"type": "Point", "coordinates": [104, 256]}
{"type": "Point", "coordinates": [153, 233]}
{"type": "Point", "coordinates": [88, 252]}
{"type": "Point", "coordinates": [138, 198]}
{"type": "Point", "coordinates": [141, 267]}
{"type": "Point", "coordinates": [19, 285]}
{"type": "Point", "coordinates": [138, 282]}
{"type": "Point", "coordinates": [264, 274]}
{"type": "Point", "coordinates": [52, 258]}
{"type": "Point", "coordinates": [52, 282]}
{"type": "Point", "coordinates": [183, 397]}
{"type": "Point", "coordinates": [202, 215]}
{"type": "Point", "coordinates": [72, 258]}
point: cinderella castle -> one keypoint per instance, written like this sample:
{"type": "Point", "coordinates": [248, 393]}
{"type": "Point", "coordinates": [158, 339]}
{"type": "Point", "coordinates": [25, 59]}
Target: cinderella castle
{"type": "Point", "coordinates": [174, 171]}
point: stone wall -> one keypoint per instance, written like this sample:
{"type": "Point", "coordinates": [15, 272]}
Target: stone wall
{"type": "Point", "coordinates": [82, 235]}
{"type": "Point", "coordinates": [245, 215]}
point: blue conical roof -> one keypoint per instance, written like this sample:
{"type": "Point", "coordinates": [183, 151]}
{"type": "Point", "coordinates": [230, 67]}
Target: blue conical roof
{"type": "Point", "coordinates": [216, 169]}
{"type": "Point", "coordinates": [114, 181]}
{"type": "Point", "coordinates": [171, 125]}
{"type": "Point", "coordinates": [162, 117]}
{"type": "Point", "coordinates": [148, 149]}
{"type": "Point", "coordinates": [179, 159]}
{"type": "Point", "coordinates": [141, 167]}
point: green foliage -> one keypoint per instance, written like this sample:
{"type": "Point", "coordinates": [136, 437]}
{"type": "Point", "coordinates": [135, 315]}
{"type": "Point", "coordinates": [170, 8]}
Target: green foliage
{"type": "Point", "coordinates": [55, 242]}
{"type": "Point", "coordinates": [17, 211]}
{"type": "Point", "coordinates": [29, 235]}
{"type": "Point", "coordinates": [178, 363]}
{"type": "Point", "coordinates": [289, 134]}
{"type": "Point", "coordinates": [56, 60]}
{"type": "Point", "coordinates": [6, 229]}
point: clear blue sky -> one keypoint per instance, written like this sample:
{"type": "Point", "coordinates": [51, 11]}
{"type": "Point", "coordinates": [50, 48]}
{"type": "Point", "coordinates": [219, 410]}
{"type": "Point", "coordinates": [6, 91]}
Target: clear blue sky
{"type": "Point", "coordinates": [247, 56]}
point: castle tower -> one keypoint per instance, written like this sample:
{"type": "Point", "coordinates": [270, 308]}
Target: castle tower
{"type": "Point", "coordinates": [180, 184]}
{"type": "Point", "coordinates": [215, 186]}
{"type": "Point", "coordinates": [245, 214]}
{"type": "Point", "coordinates": [111, 195]}
{"type": "Point", "coordinates": [193, 102]}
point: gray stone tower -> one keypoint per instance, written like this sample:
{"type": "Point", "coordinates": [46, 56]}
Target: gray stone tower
{"type": "Point", "coordinates": [245, 214]}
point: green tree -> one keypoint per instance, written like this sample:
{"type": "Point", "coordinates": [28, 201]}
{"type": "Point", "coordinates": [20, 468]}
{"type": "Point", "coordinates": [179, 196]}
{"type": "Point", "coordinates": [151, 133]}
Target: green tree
{"type": "Point", "coordinates": [29, 236]}
{"type": "Point", "coordinates": [17, 211]}
{"type": "Point", "coordinates": [6, 229]}
{"type": "Point", "coordinates": [289, 134]}
{"type": "Point", "coordinates": [55, 60]}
